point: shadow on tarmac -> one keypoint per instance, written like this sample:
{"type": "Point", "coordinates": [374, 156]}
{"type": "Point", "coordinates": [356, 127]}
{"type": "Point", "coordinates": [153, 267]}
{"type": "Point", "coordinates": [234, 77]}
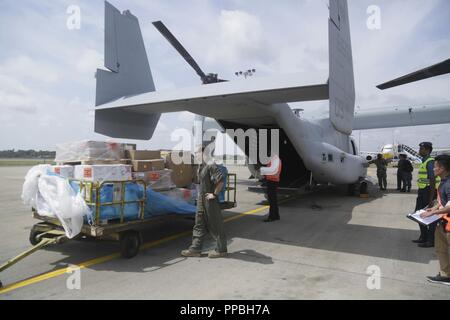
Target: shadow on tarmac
{"type": "Point", "coordinates": [318, 220]}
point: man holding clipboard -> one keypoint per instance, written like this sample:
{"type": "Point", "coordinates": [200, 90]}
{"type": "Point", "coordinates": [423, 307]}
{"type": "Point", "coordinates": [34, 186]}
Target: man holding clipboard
{"type": "Point", "coordinates": [427, 183]}
{"type": "Point", "coordinates": [441, 211]}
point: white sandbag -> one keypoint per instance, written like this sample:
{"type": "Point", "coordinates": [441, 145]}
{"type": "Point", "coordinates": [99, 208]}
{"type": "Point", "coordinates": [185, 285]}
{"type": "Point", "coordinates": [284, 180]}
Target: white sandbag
{"type": "Point", "coordinates": [30, 186]}
{"type": "Point", "coordinates": [63, 202]}
{"type": "Point", "coordinates": [52, 196]}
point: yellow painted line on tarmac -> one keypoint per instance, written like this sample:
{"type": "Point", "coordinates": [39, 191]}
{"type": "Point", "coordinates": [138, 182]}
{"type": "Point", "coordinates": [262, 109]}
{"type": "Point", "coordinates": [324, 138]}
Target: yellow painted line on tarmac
{"type": "Point", "coordinates": [116, 255]}
{"type": "Point", "coordinates": [246, 214]}
{"type": "Point", "coordinates": [113, 256]}
{"type": "Point", "coordinates": [56, 273]}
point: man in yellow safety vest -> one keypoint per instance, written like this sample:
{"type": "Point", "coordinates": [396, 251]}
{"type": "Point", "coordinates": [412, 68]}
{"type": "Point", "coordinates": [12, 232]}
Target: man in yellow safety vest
{"type": "Point", "coordinates": [427, 184]}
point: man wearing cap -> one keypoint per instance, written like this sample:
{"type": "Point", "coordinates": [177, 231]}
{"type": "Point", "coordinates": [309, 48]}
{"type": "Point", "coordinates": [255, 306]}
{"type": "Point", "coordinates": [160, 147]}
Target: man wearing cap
{"type": "Point", "coordinates": [426, 183]}
{"type": "Point", "coordinates": [208, 218]}
{"type": "Point", "coordinates": [381, 164]}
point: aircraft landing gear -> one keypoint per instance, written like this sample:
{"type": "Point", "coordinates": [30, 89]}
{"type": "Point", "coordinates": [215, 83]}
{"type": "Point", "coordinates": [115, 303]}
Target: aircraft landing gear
{"type": "Point", "coordinates": [312, 184]}
{"type": "Point", "coordinates": [351, 190]}
{"type": "Point", "coordinates": [363, 189]}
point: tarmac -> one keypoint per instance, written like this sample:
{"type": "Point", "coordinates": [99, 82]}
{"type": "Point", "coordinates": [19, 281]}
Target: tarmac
{"type": "Point", "coordinates": [327, 245]}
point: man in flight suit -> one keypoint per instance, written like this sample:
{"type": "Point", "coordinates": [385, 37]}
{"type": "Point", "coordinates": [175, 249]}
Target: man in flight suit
{"type": "Point", "coordinates": [381, 164]}
{"type": "Point", "coordinates": [208, 218]}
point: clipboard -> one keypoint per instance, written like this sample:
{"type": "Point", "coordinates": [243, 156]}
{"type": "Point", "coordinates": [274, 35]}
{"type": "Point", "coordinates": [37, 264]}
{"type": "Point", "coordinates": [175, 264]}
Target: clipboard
{"type": "Point", "coordinates": [423, 221]}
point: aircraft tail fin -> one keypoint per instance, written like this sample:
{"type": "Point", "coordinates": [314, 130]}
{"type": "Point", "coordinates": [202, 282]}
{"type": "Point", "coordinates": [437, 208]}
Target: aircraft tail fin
{"type": "Point", "coordinates": [341, 82]}
{"type": "Point", "coordinates": [128, 74]}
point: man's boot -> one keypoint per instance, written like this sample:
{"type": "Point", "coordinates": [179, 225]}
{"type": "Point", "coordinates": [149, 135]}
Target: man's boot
{"type": "Point", "coordinates": [215, 254]}
{"type": "Point", "coordinates": [191, 253]}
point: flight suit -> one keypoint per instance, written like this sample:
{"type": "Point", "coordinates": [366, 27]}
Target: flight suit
{"type": "Point", "coordinates": [381, 172]}
{"type": "Point", "coordinates": [208, 218]}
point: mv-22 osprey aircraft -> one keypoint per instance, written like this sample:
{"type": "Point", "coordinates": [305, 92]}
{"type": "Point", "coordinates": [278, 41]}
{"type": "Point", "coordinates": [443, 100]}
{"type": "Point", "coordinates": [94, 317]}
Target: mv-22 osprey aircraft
{"type": "Point", "coordinates": [127, 105]}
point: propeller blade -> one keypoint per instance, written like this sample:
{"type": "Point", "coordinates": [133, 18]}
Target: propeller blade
{"type": "Point", "coordinates": [179, 47]}
{"type": "Point", "coordinates": [429, 72]}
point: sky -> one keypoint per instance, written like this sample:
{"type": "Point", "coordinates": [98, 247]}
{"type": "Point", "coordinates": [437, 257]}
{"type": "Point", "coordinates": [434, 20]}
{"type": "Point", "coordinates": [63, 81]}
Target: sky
{"type": "Point", "coordinates": [47, 84]}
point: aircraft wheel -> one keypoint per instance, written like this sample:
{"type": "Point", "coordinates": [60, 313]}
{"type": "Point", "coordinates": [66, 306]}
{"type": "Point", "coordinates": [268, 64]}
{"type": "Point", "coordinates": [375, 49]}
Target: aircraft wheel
{"type": "Point", "coordinates": [351, 190]}
{"type": "Point", "coordinates": [363, 188]}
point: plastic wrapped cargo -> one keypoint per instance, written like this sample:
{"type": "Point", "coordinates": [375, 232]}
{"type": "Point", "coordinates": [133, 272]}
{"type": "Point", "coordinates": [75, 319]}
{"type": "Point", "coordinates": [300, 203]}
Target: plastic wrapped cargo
{"type": "Point", "coordinates": [112, 192]}
{"type": "Point", "coordinates": [183, 194]}
{"type": "Point", "coordinates": [158, 204]}
{"type": "Point", "coordinates": [103, 172]}
{"type": "Point", "coordinates": [90, 150]}
{"type": "Point", "coordinates": [157, 180]}
{"type": "Point", "coordinates": [64, 171]}
{"type": "Point", "coordinates": [30, 185]}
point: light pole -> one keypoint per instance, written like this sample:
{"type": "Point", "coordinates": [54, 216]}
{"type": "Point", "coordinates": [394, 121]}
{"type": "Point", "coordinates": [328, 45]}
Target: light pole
{"type": "Point", "coordinates": [247, 73]}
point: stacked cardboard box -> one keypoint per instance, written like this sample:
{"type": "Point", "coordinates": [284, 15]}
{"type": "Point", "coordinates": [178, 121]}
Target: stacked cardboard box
{"type": "Point", "coordinates": [146, 160]}
{"type": "Point", "coordinates": [181, 164]}
{"type": "Point", "coordinates": [150, 167]}
{"type": "Point", "coordinates": [157, 180]}
{"type": "Point", "coordinates": [143, 154]}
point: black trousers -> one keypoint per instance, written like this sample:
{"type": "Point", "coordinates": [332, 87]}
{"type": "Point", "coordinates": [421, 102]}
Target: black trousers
{"type": "Point", "coordinates": [423, 199]}
{"type": "Point", "coordinates": [272, 189]}
{"type": "Point", "coordinates": [406, 179]}
{"type": "Point", "coordinates": [399, 180]}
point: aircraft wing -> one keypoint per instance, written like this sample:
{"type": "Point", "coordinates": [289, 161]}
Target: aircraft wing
{"type": "Point", "coordinates": [402, 117]}
{"type": "Point", "coordinates": [241, 101]}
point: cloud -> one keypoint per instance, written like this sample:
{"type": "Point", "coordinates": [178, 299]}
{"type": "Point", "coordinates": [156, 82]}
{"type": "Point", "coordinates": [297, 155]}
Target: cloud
{"type": "Point", "coordinates": [15, 96]}
{"type": "Point", "coordinates": [240, 36]}
{"type": "Point", "coordinates": [89, 61]}
{"type": "Point", "coordinates": [394, 50]}
{"type": "Point", "coordinates": [23, 67]}
{"type": "Point", "coordinates": [46, 70]}
{"type": "Point", "coordinates": [186, 117]}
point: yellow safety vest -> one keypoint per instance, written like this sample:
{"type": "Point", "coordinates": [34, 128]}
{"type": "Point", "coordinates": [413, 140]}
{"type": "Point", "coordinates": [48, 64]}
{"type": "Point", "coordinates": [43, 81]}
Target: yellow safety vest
{"type": "Point", "coordinates": [423, 181]}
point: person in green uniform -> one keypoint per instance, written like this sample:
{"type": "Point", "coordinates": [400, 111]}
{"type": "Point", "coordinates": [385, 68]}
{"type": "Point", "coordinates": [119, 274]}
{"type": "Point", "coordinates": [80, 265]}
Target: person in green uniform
{"type": "Point", "coordinates": [381, 164]}
{"type": "Point", "coordinates": [208, 218]}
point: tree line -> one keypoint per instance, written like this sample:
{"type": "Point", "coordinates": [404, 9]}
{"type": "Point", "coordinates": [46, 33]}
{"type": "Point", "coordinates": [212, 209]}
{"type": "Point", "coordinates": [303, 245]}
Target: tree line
{"type": "Point", "coordinates": [27, 154]}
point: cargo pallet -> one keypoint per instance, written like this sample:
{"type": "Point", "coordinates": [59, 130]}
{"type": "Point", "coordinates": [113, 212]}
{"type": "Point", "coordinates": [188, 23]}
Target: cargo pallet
{"type": "Point", "coordinates": [128, 233]}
